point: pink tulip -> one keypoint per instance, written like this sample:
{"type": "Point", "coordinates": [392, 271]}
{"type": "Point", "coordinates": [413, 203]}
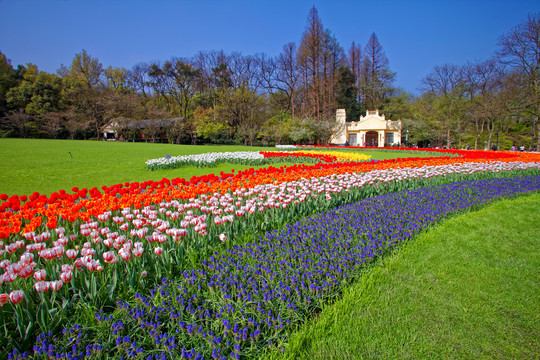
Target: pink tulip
{"type": "Point", "coordinates": [137, 252]}
{"type": "Point", "coordinates": [16, 296]}
{"type": "Point", "coordinates": [9, 277]}
{"type": "Point", "coordinates": [79, 264]}
{"type": "Point", "coordinates": [25, 272]}
{"type": "Point", "coordinates": [56, 285]}
{"type": "Point", "coordinates": [41, 286]}
{"type": "Point", "coordinates": [16, 268]}
{"type": "Point", "coordinates": [71, 254]}
{"type": "Point", "coordinates": [144, 274]}
{"type": "Point", "coordinates": [158, 251]}
{"type": "Point", "coordinates": [222, 237]}
{"type": "Point", "coordinates": [27, 258]}
{"type": "Point", "coordinates": [66, 277]}
{"type": "Point", "coordinates": [125, 255]}
{"type": "Point", "coordinates": [109, 257]}
{"type": "Point", "coordinates": [66, 268]}
{"type": "Point", "coordinates": [4, 298]}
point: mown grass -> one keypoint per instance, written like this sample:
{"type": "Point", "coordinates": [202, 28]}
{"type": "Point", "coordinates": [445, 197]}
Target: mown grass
{"type": "Point", "coordinates": [467, 289]}
{"type": "Point", "coordinates": [46, 166]}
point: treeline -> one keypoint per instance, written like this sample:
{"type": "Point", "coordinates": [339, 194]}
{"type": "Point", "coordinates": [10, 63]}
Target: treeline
{"type": "Point", "coordinates": [234, 98]}
{"type": "Point", "coordinates": [220, 97]}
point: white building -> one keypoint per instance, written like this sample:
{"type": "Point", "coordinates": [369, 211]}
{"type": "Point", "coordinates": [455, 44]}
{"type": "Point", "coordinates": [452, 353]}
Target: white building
{"type": "Point", "coordinates": [372, 130]}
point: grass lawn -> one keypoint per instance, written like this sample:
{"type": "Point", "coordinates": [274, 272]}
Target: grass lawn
{"type": "Point", "coordinates": [46, 166]}
{"type": "Point", "coordinates": [467, 289]}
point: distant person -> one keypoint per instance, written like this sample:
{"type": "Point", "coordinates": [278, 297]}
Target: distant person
{"type": "Point", "coordinates": [513, 147]}
{"type": "Point", "coordinates": [522, 148]}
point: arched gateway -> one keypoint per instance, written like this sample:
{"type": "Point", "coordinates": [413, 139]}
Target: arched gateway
{"type": "Point", "coordinates": [372, 130]}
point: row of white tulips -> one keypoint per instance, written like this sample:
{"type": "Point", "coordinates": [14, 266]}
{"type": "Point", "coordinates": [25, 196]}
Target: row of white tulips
{"type": "Point", "coordinates": [207, 158]}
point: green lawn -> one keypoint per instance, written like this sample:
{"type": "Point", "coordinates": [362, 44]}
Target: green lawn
{"type": "Point", "coordinates": [46, 166]}
{"type": "Point", "coordinates": [467, 289]}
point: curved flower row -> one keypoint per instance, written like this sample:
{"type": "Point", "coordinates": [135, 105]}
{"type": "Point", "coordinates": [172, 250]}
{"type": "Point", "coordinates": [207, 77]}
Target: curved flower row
{"type": "Point", "coordinates": [134, 236]}
{"type": "Point", "coordinates": [252, 296]}
{"type": "Point", "coordinates": [249, 158]}
{"type": "Point", "coordinates": [25, 213]}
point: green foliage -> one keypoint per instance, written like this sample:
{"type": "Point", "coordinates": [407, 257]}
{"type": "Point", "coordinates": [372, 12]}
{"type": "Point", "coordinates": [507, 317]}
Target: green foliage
{"type": "Point", "coordinates": [277, 127]}
{"type": "Point", "coordinates": [85, 69]}
{"type": "Point", "coordinates": [8, 80]}
{"type": "Point", "coordinates": [209, 126]}
{"type": "Point", "coordinates": [38, 93]}
{"type": "Point", "coordinates": [346, 97]}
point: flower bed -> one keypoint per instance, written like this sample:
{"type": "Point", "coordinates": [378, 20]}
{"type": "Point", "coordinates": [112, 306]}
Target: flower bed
{"type": "Point", "coordinates": [65, 248]}
{"type": "Point", "coordinates": [251, 158]}
{"type": "Point", "coordinates": [252, 296]}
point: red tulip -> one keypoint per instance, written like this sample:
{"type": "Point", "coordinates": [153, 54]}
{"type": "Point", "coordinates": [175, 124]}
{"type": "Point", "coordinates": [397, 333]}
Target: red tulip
{"type": "Point", "coordinates": [158, 251]}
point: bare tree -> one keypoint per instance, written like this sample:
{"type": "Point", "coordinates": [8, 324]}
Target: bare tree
{"type": "Point", "coordinates": [520, 52]}
{"type": "Point", "coordinates": [310, 60]}
{"type": "Point", "coordinates": [377, 77]}
{"type": "Point", "coordinates": [355, 64]}
{"type": "Point", "coordinates": [138, 78]}
{"type": "Point", "coordinates": [288, 76]}
{"type": "Point", "coordinates": [447, 83]}
{"type": "Point", "coordinates": [18, 121]}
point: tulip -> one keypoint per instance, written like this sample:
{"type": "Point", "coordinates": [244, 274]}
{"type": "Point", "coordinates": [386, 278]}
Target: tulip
{"type": "Point", "coordinates": [25, 272]}
{"type": "Point", "coordinates": [9, 277]}
{"type": "Point", "coordinates": [15, 268]}
{"type": "Point", "coordinates": [66, 277]}
{"type": "Point", "coordinates": [4, 298]}
{"type": "Point", "coordinates": [66, 268]}
{"type": "Point", "coordinates": [71, 254]}
{"type": "Point", "coordinates": [137, 252]}
{"type": "Point", "coordinates": [222, 237]}
{"type": "Point", "coordinates": [144, 274]}
{"type": "Point", "coordinates": [109, 257]}
{"type": "Point", "coordinates": [16, 296]}
{"type": "Point", "coordinates": [125, 255]}
{"type": "Point", "coordinates": [41, 286]}
{"type": "Point", "coordinates": [56, 285]}
{"type": "Point", "coordinates": [158, 251]}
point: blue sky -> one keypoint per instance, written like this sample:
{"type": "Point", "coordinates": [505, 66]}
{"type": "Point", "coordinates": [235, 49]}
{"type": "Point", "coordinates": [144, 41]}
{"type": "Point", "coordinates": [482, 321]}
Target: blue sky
{"type": "Point", "coordinates": [415, 35]}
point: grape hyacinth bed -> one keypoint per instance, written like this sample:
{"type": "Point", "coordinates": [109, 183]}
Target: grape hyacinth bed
{"type": "Point", "coordinates": [249, 297]}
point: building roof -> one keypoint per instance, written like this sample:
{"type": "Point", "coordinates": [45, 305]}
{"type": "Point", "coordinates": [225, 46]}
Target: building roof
{"type": "Point", "coordinates": [112, 125]}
